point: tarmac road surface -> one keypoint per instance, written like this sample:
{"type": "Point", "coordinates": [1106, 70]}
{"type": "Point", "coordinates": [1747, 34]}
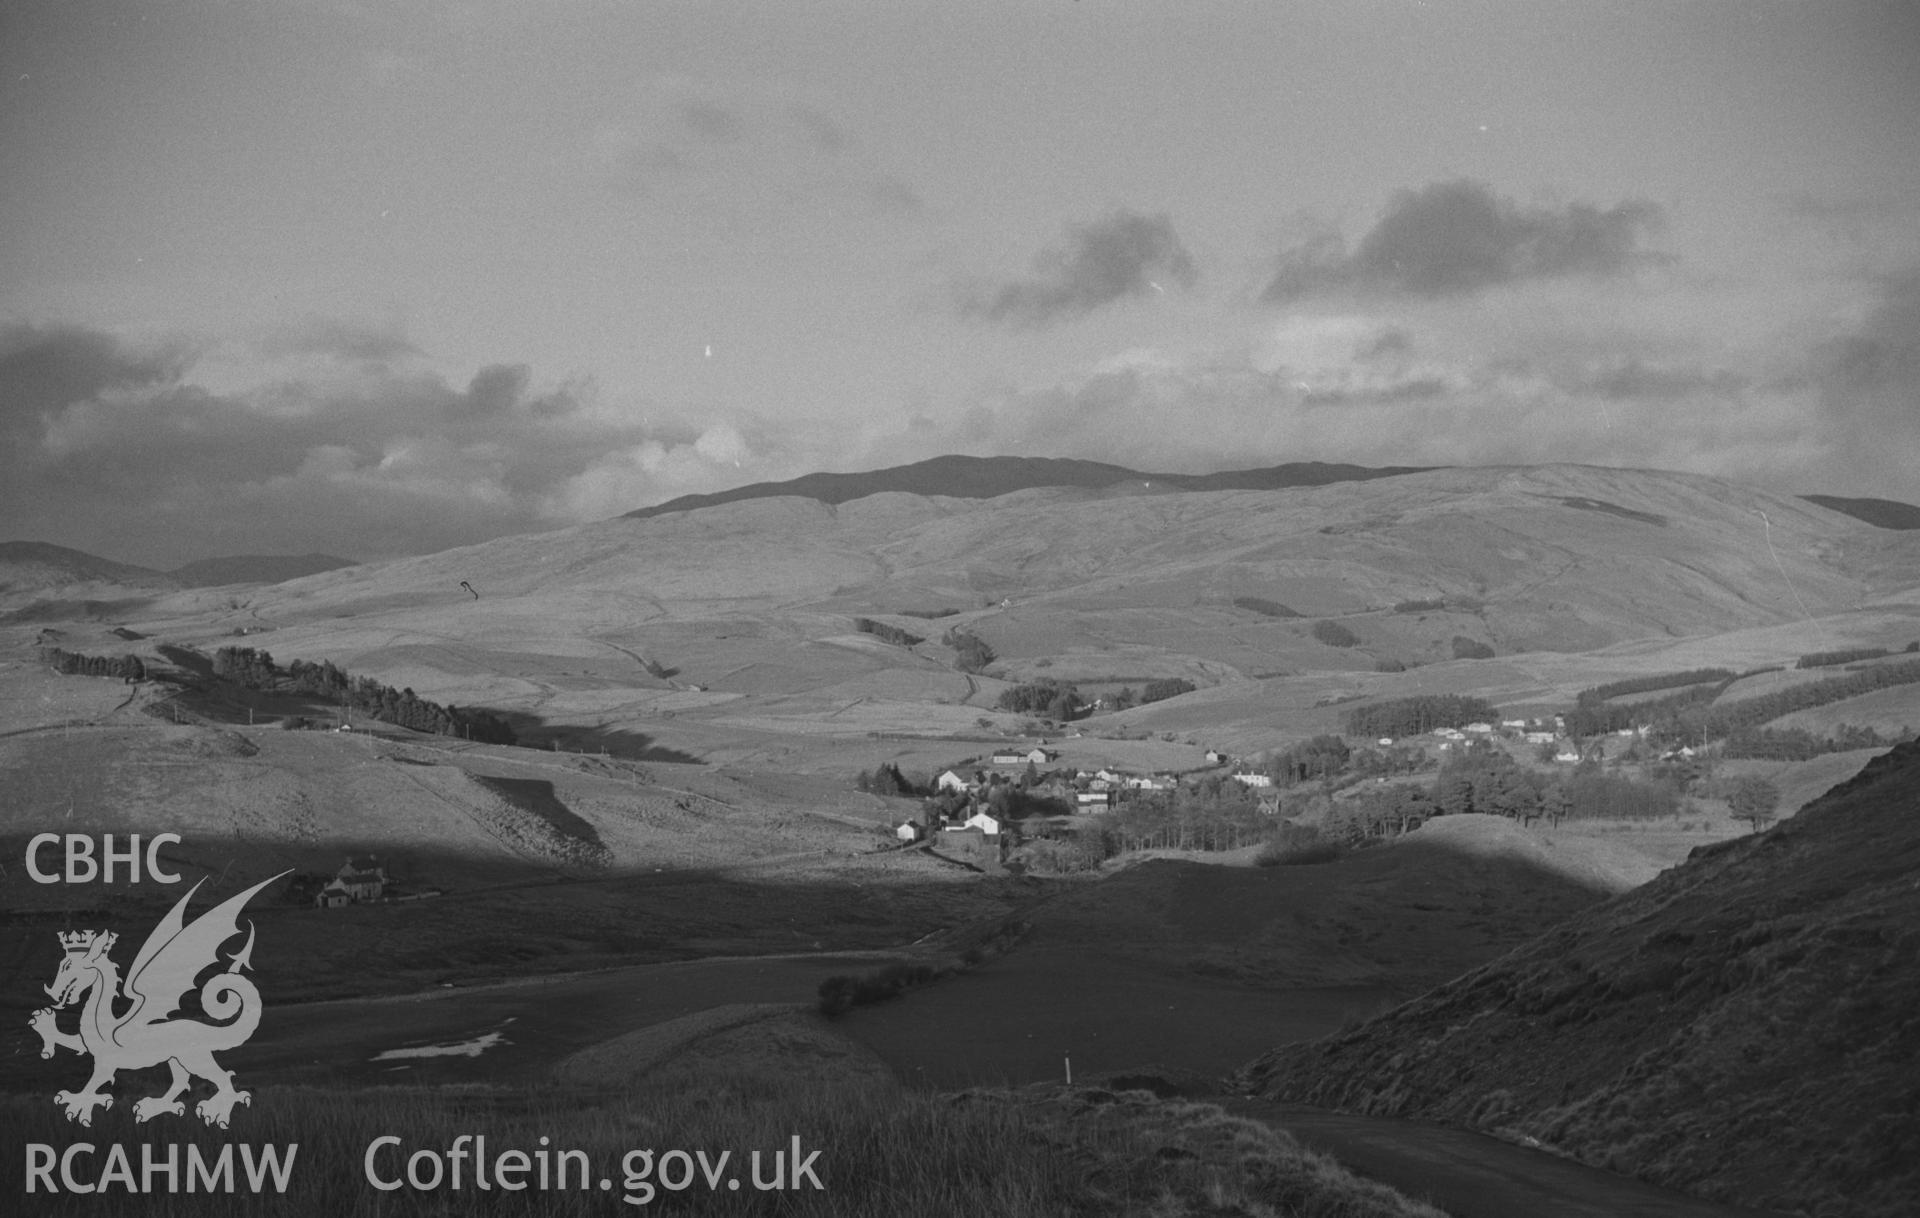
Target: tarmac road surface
{"type": "Point", "coordinates": [1471, 1175]}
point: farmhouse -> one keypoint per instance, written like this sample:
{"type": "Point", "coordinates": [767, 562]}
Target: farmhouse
{"type": "Point", "coordinates": [1009, 757]}
{"type": "Point", "coordinates": [984, 822]}
{"type": "Point", "coordinates": [1253, 779]}
{"type": "Point", "coordinates": [361, 879]}
{"type": "Point", "coordinates": [1094, 801]}
{"type": "Point", "coordinates": [907, 831]}
{"type": "Point", "coordinates": [950, 781]}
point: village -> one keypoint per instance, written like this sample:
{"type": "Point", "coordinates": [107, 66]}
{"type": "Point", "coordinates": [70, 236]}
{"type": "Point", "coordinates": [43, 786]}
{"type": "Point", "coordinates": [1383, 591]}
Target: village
{"type": "Point", "coordinates": [980, 809]}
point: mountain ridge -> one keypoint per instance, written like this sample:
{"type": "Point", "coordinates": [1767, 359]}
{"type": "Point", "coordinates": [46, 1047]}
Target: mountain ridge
{"type": "Point", "coordinates": [963, 477]}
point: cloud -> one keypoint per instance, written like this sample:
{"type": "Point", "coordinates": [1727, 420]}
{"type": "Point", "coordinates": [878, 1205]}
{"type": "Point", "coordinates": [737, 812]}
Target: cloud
{"type": "Point", "coordinates": [712, 123]}
{"type": "Point", "coordinates": [127, 448]}
{"type": "Point", "coordinates": [678, 143]}
{"type": "Point", "coordinates": [332, 336]}
{"type": "Point", "coordinates": [1123, 254]}
{"type": "Point", "coordinates": [1868, 382]}
{"type": "Point", "coordinates": [825, 134]}
{"type": "Point", "coordinates": [1458, 237]}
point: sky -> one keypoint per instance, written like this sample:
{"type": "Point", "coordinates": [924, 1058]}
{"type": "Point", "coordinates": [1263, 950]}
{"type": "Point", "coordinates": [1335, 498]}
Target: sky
{"type": "Point", "coordinates": [387, 277]}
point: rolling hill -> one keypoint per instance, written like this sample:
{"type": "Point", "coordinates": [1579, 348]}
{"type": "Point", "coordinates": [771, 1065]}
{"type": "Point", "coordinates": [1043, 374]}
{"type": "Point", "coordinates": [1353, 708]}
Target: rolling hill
{"type": "Point", "coordinates": [959, 477]}
{"type": "Point", "coordinates": [255, 569]}
{"type": "Point", "coordinates": [1743, 1027]}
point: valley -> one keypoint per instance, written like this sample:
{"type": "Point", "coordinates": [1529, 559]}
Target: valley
{"type": "Point", "coordinates": [687, 836]}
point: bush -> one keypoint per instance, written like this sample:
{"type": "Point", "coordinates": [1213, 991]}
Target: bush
{"type": "Point", "coordinates": [1333, 634]}
{"type": "Point", "coordinates": [1465, 648]}
{"type": "Point", "coordinates": [1264, 607]}
{"type": "Point", "coordinates": [1389, 664]}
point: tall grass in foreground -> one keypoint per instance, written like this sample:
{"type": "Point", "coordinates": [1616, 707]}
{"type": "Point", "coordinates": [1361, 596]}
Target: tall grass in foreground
{"type": "Point", "coordinates": [883, 1152]}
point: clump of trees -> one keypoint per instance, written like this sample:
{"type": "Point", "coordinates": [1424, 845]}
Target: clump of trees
{"type": "Point", "coordinates": [841, 993]}
{"type": "Point", "coordinates": [1264, 607]}
{"type": "Point", "coordinates": [971, 653]}
{"type": "Point", "coordinates": [1333, 634]}
{"type": "Point", "coordinates": [1164, 688]}
{"type": "Point", "coordinates": [886, 633]}
{"type": "Point", "coordinates": [1845, 655]}
{"type": "Point", "coordinates": [1753, 799]}
{"type": "Point", "coordinates": [1420, 713]}
{"type": "Point", "coordinates": [72, 663]}
{"type": "Point", "coordinates": [255, 669]}
{"type": "Point", "coordinates": [1465, 648]}
{"type": "Point", "coordinates": [886, 779]}
{"type": "Point", "coordinates": [1053, 699]}
{"type": "Point", "coordinates": [1295, 845]}
{"type": "Point", "coordinates": [1323, 756]}
{"type": "Point", "coordinates": [1799, 744]}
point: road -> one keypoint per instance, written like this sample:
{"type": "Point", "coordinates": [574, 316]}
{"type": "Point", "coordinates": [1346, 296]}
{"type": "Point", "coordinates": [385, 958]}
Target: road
{"type": "Point", "coordinates": [1471, 1175]}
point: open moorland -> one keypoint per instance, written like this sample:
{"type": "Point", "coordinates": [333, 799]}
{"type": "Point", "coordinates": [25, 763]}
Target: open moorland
{"type": "Point", "coordinates": [718, 717]}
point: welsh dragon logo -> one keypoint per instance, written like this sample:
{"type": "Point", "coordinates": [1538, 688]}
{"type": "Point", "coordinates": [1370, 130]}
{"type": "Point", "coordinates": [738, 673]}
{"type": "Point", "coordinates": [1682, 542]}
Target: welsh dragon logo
{"type": "Point", "coordinates": [142, 1034]}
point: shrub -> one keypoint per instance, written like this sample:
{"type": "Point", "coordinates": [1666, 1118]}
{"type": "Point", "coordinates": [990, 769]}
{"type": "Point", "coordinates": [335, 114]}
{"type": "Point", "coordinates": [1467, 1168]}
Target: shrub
{"type": "Point", "coordinates": [1333, 634]}
{"type": "Point", "coordinates": [1389, 664]}
{"type": "Point", "coordinates": [1264, 607]}
{"type": "Point", "coordinates": [1465, 648]}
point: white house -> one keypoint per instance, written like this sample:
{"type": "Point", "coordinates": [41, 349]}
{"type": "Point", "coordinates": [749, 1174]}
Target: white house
{"type": "Point", "coordinates": [1480, 729]}
{"type": "Point", "coordinates": [1009, 758]}
{"type": "Point", "coordinates": [1539, 737]}
{"type": "Point", "coordinates": [907, 831]}
{"type": "Point", "coordinates": [1566, 755]}
{"type": "Point", "coordinates": [1385, 741]}
{"type": "Point", "coordinates": [950, 781]}
{"type": "Point", "coordinates": [983, 822]}
{"type": "Point", "coordinates": [1215, 757]}
{"type": "Point", "coordinates": [1253, 780]}
{"type": "Point", "coordinates": [1094, 801]}
{"type": "Point", "coordinates": [1514, 723]}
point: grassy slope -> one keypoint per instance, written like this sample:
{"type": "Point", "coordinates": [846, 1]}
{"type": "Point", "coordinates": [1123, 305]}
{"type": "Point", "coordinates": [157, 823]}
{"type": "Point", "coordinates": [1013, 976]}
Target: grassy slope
{"type": "Point", "coordinates": [753, 602]}
{"type": "Point", "coordinates": [1744, 1027]}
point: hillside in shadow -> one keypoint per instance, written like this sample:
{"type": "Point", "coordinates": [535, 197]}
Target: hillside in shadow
{"type": "Point", "coordinates": [1744, 1027]}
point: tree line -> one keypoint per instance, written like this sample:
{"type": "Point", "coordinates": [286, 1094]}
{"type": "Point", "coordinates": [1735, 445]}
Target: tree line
{"type": "Point", "coordinates": [886, 633]}
{"type": "Point", "coordinates": [1845, 655]}
{"type": "Point", "coordinates": [1421, 713]}
{"type": "Point", "coordinates": [255, 669]}
{"type": "Point", "coordinates": [72, 663]}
